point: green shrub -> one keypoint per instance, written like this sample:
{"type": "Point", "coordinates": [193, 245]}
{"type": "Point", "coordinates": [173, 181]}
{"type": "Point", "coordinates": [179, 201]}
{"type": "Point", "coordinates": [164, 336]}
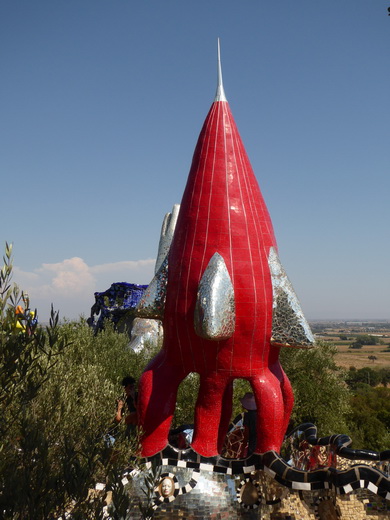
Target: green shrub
{"type": "Point", "coordinates": [369, 418]}
{"type": "Point", "coordinates": [321, 395]}
{"type": "Point", "coordinates": [57, 402]}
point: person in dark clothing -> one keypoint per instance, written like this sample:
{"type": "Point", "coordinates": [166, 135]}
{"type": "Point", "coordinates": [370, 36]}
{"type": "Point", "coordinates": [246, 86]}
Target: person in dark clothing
{"type": "Point", "coordinates": [248, 402]}
{"type": "Point", "coordinates": [127, 405]}
{"type": "Point", "coordinates": [241, 439]}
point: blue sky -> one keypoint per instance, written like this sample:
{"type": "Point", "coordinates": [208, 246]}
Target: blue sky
{"type": "Point", "coordinates": [101, 106]}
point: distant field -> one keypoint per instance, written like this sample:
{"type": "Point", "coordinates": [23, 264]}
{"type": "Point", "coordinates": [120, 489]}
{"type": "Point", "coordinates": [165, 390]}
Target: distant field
{"type": "Point", "coordinates": [347, 357]}
{"type": "Point", "coordinates": [359, 358]}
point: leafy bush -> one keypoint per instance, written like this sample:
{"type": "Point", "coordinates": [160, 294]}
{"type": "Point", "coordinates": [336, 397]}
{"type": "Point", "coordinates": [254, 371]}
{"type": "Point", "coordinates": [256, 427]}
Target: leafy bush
{"type": "Point", "coordinates": [188, 394]}
{"type": "Point", "coordinates": [366, 375]}
{"type": "Point", "coordinates": [57, 402]}
{"type": "Point", "coordinates": [369, 418]}
{"type": "Point", "coordinates": [321, 395]}
{"type": "Point", "coordinates": [365, 339]}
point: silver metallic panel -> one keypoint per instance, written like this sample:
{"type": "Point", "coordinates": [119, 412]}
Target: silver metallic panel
{"type": "Point", "coordinates": [215, 315]}
{"type": "Point", "coordinates": [152, 303]}
{"type": "Point", "coordinates": [289, 326]}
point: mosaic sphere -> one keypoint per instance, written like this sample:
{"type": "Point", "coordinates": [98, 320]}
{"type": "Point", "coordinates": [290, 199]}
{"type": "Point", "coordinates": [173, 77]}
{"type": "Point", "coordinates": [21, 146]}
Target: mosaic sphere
{"type": "Point", "coordinates": [183, 493]}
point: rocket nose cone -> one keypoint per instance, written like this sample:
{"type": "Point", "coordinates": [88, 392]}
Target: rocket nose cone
{"type": "Point", "coordinates": [220, 93]}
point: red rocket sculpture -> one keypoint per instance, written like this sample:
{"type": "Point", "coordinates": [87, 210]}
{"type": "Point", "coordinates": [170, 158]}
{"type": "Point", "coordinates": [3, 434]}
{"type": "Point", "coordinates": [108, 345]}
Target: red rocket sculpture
{"type": "Point", "coordinates": [226, 303]}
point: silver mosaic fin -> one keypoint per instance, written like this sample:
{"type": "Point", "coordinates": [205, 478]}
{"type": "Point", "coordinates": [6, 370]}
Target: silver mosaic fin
{"type": "Point", "coordinates": [166, 236]}
{"type": "Point", "coordinates": [215, 313]}
{"type": "Point", "coordinates": [152, 303]}
{"type": "Point", "coordinates": [289, 326]}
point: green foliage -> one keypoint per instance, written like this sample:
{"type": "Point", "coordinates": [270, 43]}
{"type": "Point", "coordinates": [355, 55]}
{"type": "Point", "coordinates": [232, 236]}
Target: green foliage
{"type": "Point", "coordinates": [321, 395]}
{"type": "Point", "coordinates": [151, 480]}
{"type": "Point", "coordinates": [369, 418]}
{"type": "Point", "coordinates": [366, 375]}
{"type": "Point", "coordinates": [186, 400]}
{"type": "Point", "coordinates": [370, 407]}
{"type": "Point", "coordinates": [188, 394]}
{"type": "Point", "coordinates": [57, 402]}
{"type": "Point", "coordinates": [339, 402]}
{"type": "Point", "coordinates": [365, 339]}
{"type": "Point", "coordinates": [241, 387]}
{"type": "Point", "coordinates": [384, 375]}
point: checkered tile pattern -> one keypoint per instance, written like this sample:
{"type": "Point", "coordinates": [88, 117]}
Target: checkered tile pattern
{"type": "Point", "coordinates": [342, 482]}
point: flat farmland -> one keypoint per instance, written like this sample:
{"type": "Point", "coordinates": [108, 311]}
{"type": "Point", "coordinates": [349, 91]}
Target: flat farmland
{"type": "Point", "coordinates": [360, 358]}
{"type": "Point", "coordinates": [343, 335]}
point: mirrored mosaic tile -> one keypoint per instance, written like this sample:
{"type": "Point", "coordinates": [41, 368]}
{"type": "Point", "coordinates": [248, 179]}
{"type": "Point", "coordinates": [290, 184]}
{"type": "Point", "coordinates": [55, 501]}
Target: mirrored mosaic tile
{"type": "Point", "coordinates": [214, 317]}
{"type": "Point", "coordinates": [166, 235]}
{"type": "Point", "coordinates": [152, 303]}
{"type": "Point", "coordinates": [213, 496]}
{"type": "Point", "coordinates": [289, 326]}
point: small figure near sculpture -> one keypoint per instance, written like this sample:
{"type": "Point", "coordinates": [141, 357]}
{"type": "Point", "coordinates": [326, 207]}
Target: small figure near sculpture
{"type": "Point", "coordinates": [127, 405]}
{"type": "Point", "coordinates": [249, 420]}
{"type": "Point", "coordinates": [240, 441]}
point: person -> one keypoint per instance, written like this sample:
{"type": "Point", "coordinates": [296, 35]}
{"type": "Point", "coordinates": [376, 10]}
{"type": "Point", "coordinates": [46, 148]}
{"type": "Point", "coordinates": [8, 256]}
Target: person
{"type": "Point", "coordinates": [249, 404]}
{"type": "Point", "coordinates": [241, 439]}
{"type": "Point", "coordinates": [127, 405]}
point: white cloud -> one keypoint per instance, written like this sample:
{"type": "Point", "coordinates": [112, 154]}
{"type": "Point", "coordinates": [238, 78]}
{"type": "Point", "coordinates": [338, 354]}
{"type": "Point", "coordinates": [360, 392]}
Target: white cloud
{"type": "Point", "coordinates": [138, 271]}
{"type": "Point", "coordinates": [71, 283]}
{"type": "Point", "coordinates": [129, 265]}
{"type": "Point", "coordinates": [70, 277]}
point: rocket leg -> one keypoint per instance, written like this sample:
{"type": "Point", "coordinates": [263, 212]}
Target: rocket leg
{"type": "Point", "coordinates": [270, 412]}
{"type": "Point", "coordinates": [288, 398]}
{"type": "Point", "coordinates": [287, 393]}
{"type": "Point", "coordinates": [156, 403]}
{"type": "Point", "coordinates": [226, 415]}
{"type": "Point", "coordinates": [208, 410]}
